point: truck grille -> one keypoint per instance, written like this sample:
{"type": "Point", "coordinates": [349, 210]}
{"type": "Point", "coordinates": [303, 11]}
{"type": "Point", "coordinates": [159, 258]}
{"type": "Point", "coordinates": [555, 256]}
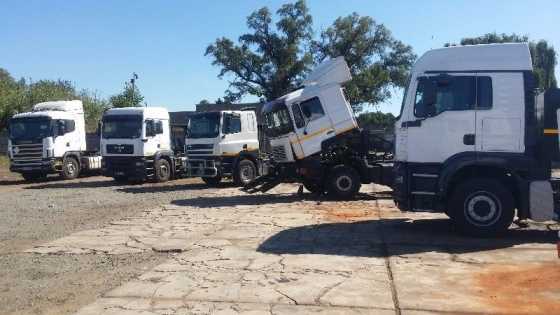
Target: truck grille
{"type": "Point", "coordinates": [279, 153]}
{"type": "Point", "coordinates": [27, 154]}
{"type": "Point", "coordinates": [120, 148]}
{"type": "Point", "coordinates": [199, 149]}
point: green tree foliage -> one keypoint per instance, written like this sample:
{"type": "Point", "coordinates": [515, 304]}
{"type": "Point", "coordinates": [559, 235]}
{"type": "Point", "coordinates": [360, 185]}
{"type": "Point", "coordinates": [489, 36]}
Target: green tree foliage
{"type": "Point", "coordinates": [376, 120]}
{"type": "Point", "coordinates": [378, 62]}
{"type": "Point", "coordinates": [20, 96]}
{"type": "Point", "coordinates": [270, 60]}
{"type": "Point", "coordinates": [129, 97]}
{"type": "Point", "coordinates": [273, 58]}
{"type": "Point", "coordinates": [542, 54]}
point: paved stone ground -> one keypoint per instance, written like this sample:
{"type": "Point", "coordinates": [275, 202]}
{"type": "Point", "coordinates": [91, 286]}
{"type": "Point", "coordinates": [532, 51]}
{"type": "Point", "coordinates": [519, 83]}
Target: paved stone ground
{"type": "Point", "coordinates": [288, 254]}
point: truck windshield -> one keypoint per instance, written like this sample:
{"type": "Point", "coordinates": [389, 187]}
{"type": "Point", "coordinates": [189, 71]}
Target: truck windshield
{"type": "Point", "coordinates": [122, 127]}
{"type": "Point", "coordinates": [206, 125]}
{"type": "Point", "coordinates": [30, 128]}
{"type": "Point", "coordinates": [278, 121]}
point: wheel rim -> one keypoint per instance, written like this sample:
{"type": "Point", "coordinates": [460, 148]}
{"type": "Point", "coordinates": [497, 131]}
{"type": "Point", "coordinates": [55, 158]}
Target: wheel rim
{"type": "Point", "coordinates": [247, 173]}
{"type": "Point", "coordinates": [70, 168]}
{"type": "Point", "coordinates": [482, 208]}
{"type": "Point", "coordinates": [163, 171]}
{"type": "Point", "coordinates": [343, 183]}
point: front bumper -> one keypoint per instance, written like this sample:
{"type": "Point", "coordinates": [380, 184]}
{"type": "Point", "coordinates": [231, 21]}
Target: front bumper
{"type": "Point", "coordinates": [124, 166]}
{"type": "Point", "coordinates": [203, 167]}
{"type": "Point", "coordinates": [45, 166]}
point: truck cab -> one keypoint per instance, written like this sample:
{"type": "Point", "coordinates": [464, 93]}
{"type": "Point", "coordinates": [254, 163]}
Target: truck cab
{"type": "Point", "coordinates": [50, 139]}
{"type": "Point", "coordinates": [470, 138]}
{"type": "Point", "coordinates": [222, 144]}
{"type": "Point", "coordinates": [136, 144]}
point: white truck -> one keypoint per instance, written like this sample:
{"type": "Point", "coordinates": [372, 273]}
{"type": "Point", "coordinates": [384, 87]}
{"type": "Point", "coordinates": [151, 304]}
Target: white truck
{"type": "Point", "coordinates": [222, 144]}
{"type": "Point", "coordinates": [136, 145]}
{"type": "Point", "coordinates": [51, 139]}
{"type": "Point", "coordinates": [473, 139]}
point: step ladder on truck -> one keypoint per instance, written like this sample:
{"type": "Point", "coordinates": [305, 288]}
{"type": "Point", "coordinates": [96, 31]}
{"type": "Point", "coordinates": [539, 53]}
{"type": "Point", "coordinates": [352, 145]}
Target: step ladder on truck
{"type": "Point", "coordinates": [474, 139]}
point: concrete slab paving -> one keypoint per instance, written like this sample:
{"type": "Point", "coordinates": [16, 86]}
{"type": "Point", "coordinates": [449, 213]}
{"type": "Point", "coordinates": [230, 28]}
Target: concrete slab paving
{"type": "Point", "coordinates": [286, 254]}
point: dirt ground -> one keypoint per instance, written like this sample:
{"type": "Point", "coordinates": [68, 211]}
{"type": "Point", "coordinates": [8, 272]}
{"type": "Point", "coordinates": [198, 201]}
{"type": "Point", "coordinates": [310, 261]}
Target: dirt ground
{"type": "Point", "coordinates": [94, 247]}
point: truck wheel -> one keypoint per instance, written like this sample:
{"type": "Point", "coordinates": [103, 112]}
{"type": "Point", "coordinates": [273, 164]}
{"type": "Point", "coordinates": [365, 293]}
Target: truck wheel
{"type": "Point", "coordinates": [313, 187]}
{"type": "Point", "coordinates": [33, 176]}
{"type": "Point", "coordinates": [70, 168]}
{"type": "Point", "coordinates": [343, 182]}
{"type": "Point", "coordinates": [162, 170]}
{"type": "Point", "coordinates": [212, 181]}
{"type": "Point", "coordinates": [245, 173]}
{"type": "Point", "coordinates": [482, 207]}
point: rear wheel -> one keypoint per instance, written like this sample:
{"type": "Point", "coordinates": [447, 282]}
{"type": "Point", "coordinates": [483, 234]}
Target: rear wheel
{"type": "Point", "coordinates": [162, 170]}
{"type": "Point", "coordinates": [212, 181]}
{"type": "Point", "coordinates": [245, 173]}
{"type": "Point", "coordinates": [343, 182]}
{"type": "Point", "coordinates": [33, 176]}
{"type": "Point", "coordinates": [482, 207]}
{"type": "Point", "coordinates": [70, 168]}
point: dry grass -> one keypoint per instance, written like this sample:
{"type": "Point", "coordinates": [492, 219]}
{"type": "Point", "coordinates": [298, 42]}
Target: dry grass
{"type": "Point", "coordinates": [4, 162]}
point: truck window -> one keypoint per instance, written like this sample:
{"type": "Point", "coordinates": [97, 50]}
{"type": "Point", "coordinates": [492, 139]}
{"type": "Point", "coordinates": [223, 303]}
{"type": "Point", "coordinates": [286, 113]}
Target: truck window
{"type": "Point", "coordinates": [455, 93]}
{"type": "Point", "coordinates": [298, 116]}
{"type": "Point", "coordinates": [159, 127]}
{"type": "Point", "coordinates": [312, 108]}
{"type": "Point", "coordinates": [232, 123]}
{"type": "Point", "coordinates": [70, 125]}
{"type": "Point", "coordinates": [251, 122]}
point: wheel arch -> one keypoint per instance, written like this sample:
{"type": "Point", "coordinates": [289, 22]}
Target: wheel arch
{"type": "Point", "coordinates": [75, 155]}
{"type": "Point", "coordinates": [168, 156]}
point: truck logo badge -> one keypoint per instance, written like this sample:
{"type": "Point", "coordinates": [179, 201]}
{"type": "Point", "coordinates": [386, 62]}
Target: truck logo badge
{"type": "Point", "coordinates": [16, 150]}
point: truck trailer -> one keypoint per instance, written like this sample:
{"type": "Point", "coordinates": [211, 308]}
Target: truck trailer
{"type": "Point", "coordinates": [51, 139]}
{"type": "Point", "coordinates": [473, 139]}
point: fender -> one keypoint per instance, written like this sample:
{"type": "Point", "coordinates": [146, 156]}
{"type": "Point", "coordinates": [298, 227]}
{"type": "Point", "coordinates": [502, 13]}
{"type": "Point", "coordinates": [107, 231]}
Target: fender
{"type": "Point", "coordinates": [250, 155]}
{"type": "Point", "coordinates": [168, 154]}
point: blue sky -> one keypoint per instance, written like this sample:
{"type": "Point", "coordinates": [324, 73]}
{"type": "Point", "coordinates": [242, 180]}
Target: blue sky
{"type": "Point", "coordinates": [98, 44]}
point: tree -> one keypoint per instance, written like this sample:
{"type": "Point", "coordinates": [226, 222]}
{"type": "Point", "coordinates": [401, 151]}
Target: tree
{"type": "Point", "coordinates": [542, 54]}
{"type": "Point", "coordinates": [269, 61]}
{"type": "Point", "coordinates": [378, 62]}
{"type": "Point", "coordinates": [129, 97]}
{"type": "Point", "coordinates": [377, 120]}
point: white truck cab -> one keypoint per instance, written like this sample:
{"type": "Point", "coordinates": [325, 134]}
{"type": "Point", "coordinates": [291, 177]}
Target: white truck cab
{"type": "Point", "coordinates": [222, 144]}
{"type": "Point", "coordinates": [136, 144]}
{"type": "Point", "coordinates": [50, 139]}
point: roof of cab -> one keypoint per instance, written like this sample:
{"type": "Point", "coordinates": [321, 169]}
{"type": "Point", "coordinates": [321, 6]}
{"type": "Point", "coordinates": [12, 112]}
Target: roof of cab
{"type": "Point", "coordinates": [146, 112]}
{"type": "Point", "coordinates": [490, 57]}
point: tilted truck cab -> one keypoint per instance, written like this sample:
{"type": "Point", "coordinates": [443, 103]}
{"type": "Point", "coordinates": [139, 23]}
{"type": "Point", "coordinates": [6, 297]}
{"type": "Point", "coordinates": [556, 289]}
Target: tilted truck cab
{"type": "Point", "coordinates": [51, 139]}
{"type": "Point", "coordinates": [222, 144]}
{"type": "Point", "coordinates": [136, 144]}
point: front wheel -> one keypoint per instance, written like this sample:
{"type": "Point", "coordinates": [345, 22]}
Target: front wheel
{"type": "Point", "coordinates": [343, 182]}
{"type": "Point", "coordinates": [245, 173]}
{"type": "Point", "coordinates": [482, 207]}
{"type": "Point", "coordinates": [70, 168]}
{"type": "Point", "coordinates": [162, 171]}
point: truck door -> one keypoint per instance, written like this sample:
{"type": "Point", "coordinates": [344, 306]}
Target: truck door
{"type": "Point", "coordinates": [313, 126]}
{"type": "Point", "coordinates": [442, 122]}
{"type": "Point", "coordinates": [500, 112]}
{"type": "Point", "coordinates": [232, 138]}
{"type": "Point", "coordinates": [151, 140]}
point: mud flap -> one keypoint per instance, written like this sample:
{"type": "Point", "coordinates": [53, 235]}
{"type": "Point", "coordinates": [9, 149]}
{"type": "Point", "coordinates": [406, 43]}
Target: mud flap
{"type": "Point", "coordinates": [541, 201]}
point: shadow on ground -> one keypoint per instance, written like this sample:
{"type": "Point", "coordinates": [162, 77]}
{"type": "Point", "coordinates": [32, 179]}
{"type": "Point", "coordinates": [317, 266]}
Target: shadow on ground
{"type": "Point", "coordinates": [391, 237]}
{"type": "Point", "coordinates": [64, 184]}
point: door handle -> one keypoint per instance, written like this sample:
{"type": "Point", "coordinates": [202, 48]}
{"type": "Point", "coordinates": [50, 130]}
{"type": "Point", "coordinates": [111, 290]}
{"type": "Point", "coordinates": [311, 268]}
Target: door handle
{"type": "Point", "coordinates": [469, 139]}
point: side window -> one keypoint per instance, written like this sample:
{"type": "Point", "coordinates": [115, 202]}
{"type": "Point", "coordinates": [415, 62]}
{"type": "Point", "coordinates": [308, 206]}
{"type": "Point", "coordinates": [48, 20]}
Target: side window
{"type": "Point", "coordinates": [452, 93]}
{"type": "Point", "coordinates": [484, 92]}
{"type": "Point", "coordinates": [232, 123]}
{"type": "Point", "coordinates": [70, 125]}
{"type": "Point", "coordinates": [312, 109]}
{"type": "Point", "coordinates": [250, 122]}
{"type": "Point", "coordinates": [298, 116]}
{"type": "Point", "coordinates": [159, 127]}
{"type": "Point", "coordinates": [150, 128]}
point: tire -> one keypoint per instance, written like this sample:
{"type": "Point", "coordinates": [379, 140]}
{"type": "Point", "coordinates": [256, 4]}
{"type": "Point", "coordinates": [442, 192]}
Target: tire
{"type": "Point", "coordinates": [212, 181]}
{"type": "Point", "coordinates": [313, 187]}
{"type": "Point", "coordinates": [34, 176]}
{"type": "Point", "coordinates": [343, 182]}
{"type": "Point", "coordinates": [482, 207]}
{"type": "Point", "coordinates": [245, 173]}
{"type": "Point", "coordinates": [162, 170]}
{"type": "Point", "coordinates": [70, 168]}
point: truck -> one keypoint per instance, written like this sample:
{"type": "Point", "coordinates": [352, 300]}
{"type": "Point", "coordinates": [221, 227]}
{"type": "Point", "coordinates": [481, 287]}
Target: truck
{"type": "Point", "coordinates": [473, 139]}
{"type": "Point", "coordinates": [136, 145]}
{"type": "Point", "coordinates": [221, 144]}
{"type": "Point", "coordinates": [51, 139]}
